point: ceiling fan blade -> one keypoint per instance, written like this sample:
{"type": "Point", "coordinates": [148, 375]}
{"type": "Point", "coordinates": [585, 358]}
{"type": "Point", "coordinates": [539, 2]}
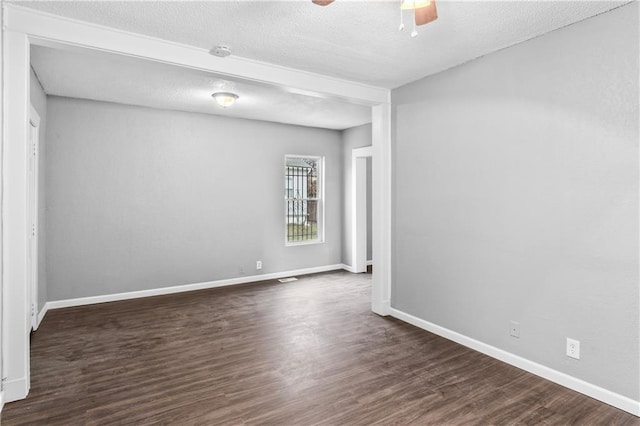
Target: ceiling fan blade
{"type": "Point", "coordinates": [322, 2]}
{"type": "Point", "coordinates": [424, 15]}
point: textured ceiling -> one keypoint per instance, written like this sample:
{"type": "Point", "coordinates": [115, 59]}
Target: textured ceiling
{"type": "Point", "coordinates": [354, 40]}
{"type": "Point", "coordinates": [115, 78]}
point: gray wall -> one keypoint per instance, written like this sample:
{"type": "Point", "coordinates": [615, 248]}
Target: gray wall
{"type": "Point", "coordinates": [39, 102]}
{"type": "Point", "coordinates": [516, 198]}
{"type": "Point", "coordinates": [355, 137]}
{"type": "Point", "coordinates": [140, 198]}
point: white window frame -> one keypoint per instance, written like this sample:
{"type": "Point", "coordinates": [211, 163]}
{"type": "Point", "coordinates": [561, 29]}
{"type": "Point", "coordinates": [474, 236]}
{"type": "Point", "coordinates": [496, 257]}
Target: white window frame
{"type": "Point", "coordinates": [319, 199]}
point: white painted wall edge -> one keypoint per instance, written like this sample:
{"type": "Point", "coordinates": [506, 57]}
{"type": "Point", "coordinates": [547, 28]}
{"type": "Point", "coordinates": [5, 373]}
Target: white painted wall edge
{"type": "Point", "coordinates": [608, 397]}
{"type": "Point", "coordinates": [381, 208]}
{"type": "Point", "coordinates": [1, 401]}
{"type": "Point", "coordinates": [57, 304]}
{"type": "Point", "coordinates": [16, 389]}
{"type": "Point", "coordinates": [41, 315]}
{"type": "Point", "coordinates": [349, 268]}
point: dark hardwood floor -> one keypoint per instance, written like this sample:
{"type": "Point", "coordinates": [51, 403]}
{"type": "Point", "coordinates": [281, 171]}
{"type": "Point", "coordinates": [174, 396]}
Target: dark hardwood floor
{"type": "Point", "coordinates": [302, 353]}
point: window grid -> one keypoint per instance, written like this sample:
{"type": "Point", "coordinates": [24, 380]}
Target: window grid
{"type": "Point", "coordinates": [301, 199]}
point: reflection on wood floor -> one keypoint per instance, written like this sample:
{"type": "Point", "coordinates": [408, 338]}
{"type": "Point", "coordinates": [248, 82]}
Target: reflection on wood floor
{"type": "Point", "coordinates": [302, 353]}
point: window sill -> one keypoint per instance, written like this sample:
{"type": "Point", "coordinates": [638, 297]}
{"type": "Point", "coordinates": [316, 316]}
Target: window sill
{"type": "Point", "coordinates": [303, 243]}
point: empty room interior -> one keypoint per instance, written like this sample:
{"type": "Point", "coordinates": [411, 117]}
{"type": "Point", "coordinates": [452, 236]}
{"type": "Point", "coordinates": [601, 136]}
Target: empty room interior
{"type": "Point", "coordinates": [320, 212]}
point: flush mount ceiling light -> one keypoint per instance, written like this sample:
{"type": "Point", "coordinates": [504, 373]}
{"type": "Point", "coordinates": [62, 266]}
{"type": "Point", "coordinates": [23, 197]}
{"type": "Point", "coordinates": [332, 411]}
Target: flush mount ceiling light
{"type": "Point", "coordinates": [424, 11]}
{"type": "Point", "coordinates": [221, 51]}
{"type": "Point", "coordinates": [225, 99]}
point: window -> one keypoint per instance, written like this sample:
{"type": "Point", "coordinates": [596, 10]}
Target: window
{"type": "Point", "coordinates": [303, 190]}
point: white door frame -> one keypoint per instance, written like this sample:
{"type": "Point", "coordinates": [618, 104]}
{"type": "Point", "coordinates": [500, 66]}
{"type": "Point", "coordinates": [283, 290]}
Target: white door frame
{"type": "Point", "coordinates": [24, 27]}
{"type": "Point", "coordinates": [381, 208]}
{"type": "Point", "coordinates": [359, 208]}
{"type": "Point", "coordinates": [32, 212]}
{"type": "Point", "coordinates": [15, 300]}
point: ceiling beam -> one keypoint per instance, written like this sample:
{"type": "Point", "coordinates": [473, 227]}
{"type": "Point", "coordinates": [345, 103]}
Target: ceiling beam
{"type": "Point", "coordinates": [44, 28]}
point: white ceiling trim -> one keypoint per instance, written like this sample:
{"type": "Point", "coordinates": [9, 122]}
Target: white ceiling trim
{"type": "Point", "coordinates": [46, 30]}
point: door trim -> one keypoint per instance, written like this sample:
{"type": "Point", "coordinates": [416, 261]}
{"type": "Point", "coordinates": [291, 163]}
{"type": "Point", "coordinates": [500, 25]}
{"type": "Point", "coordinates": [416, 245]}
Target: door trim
{"type": "Point", "coordinates": [32, 214]}
{"type": "Point", "coordinates": [359, 208]}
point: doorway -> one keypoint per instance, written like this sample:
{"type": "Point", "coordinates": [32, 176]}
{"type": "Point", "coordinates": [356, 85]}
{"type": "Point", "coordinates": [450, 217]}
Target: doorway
{"type": "Point", "coordinates": [360, 169]}
{"type": "Point", "coordinates": [23, 29]}
{"type": "Point", "coordinates": [32, 214]}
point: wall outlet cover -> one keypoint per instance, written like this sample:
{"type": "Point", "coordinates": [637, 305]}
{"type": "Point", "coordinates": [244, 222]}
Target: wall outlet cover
{"type": "Point", "coordinates": [514, 329]}
{"type": "Point", "coordinates": [573, 348]}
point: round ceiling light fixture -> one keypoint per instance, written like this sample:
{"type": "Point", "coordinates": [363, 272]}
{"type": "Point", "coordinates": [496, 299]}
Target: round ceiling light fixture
{"type": "Point", "coordinates": [221, 51]}
{"type": "Point", "coordinates": [225, 99]}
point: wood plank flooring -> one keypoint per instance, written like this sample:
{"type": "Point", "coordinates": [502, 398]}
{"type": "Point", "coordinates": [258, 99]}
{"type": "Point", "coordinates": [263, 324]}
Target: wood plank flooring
{"type": "Point", "coordinates": [308, 352]}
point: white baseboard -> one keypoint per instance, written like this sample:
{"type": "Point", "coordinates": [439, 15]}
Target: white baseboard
{"type": "Point", "coordinates": [14, 390]}
{"type": "Point", "coordinates": [347, 268]}
{"type": "Point", "coordinates": [386, 307]}
{"type": "Point", "coordinates": [383, 308]}
{"type": "Point", "coordinates": [619, 401]}
{"type": "Point", "coordinates": [67, 303]}
{"type": "Point", "coordinates": [1, 401]}
{"type": "Point", "coordinates": [41, 315]}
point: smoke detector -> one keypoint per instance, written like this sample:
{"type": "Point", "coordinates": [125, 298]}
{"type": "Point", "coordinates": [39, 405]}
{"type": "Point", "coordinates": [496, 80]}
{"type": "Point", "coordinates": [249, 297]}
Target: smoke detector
{"type": "Point", "coordinates": [220, 51]}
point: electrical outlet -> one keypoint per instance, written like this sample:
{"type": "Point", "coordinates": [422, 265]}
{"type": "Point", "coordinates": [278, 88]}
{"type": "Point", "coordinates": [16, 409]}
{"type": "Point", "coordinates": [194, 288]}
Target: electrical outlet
{"type": "Point", "coordinates": [573, 348]}
{"type": "Point", "coordinates": [514, 329]}
{"type": "Point", "coordinates": [259, 264]}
